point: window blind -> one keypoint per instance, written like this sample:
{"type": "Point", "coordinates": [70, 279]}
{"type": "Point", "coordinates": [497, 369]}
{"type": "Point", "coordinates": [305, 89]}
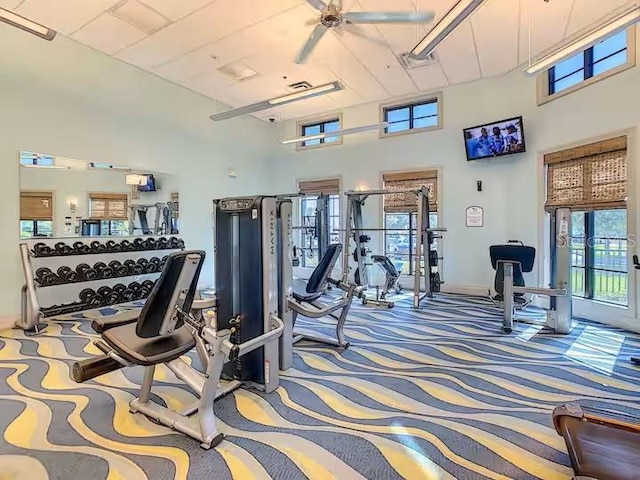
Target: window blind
{"type": "Point", "coordinates": [108, 206]}
{"type": "Point", "coordinates": [407, 202]}
{"type": "Point", "coordinates": [590, 177]}
{"type": "Point", "coordinates": [36, 206]}
{"type": "Point", "coordinates": [316, 187]}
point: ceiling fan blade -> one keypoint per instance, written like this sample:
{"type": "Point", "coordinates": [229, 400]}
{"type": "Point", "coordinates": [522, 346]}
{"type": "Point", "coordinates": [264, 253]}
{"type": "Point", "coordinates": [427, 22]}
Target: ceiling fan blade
{"type": "Point", "coordinates": [312, 21]}
{"type": "Point", "coordinates": [317, 4]}
{"type": "Point", "coordinates": [354, 29]}
{"type": "Point", "coordinates": [313, 40]}
{"type": "Point", "coordinates": [387, 17]}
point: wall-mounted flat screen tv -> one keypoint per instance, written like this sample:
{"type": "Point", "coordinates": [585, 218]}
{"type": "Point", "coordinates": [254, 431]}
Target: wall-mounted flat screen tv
{"type": "Point", "coordinates": [150, 186]}
{"type": "Point", "coordinates": [495, 139]}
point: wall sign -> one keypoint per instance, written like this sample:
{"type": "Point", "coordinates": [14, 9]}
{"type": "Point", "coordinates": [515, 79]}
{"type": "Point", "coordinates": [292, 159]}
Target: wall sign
{"type": "Point", "coordinates": [475, 216]}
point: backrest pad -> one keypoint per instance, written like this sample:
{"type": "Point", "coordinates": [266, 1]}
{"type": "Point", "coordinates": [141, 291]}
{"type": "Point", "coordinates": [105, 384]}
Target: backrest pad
{"type": "Point", "coordinates": [175, 287]}
{"type": "Point", "coordinates": [328, 261]}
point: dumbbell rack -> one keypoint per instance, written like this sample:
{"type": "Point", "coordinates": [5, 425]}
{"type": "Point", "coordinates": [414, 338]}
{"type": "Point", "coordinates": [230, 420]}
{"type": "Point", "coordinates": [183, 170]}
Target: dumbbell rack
{"type": "Point", "coordinates": [65, 276]}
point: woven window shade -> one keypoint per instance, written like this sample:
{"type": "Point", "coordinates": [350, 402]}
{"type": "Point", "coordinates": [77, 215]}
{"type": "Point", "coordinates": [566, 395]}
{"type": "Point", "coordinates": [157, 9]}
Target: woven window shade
{"type": "Point", "coordinates": [591, 177]}
{"type": "Point", "coordinates": [108, 206]}
{"type": "Point", "coordinates": [36, 206]}
{"type": "Point", "coordinates": [408, 202]}
{"type": "Point", "coordinates": [316, 187]}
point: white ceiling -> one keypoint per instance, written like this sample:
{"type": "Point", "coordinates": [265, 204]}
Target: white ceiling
{"type": "Point", "coordinates": [194, 38]}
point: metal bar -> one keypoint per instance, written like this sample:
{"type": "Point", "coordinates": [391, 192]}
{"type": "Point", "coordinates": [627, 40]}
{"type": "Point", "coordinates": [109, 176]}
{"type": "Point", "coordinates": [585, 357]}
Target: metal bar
{"type": "Point", "coordinates": [507, 294]}
{"type": "Point", "coordinates": [194, 379]}
{"type": "Point", "coordinates": [347, 241]}
{"type": "Point", "coordinates": [257, 342]}
{"type": "Point", "coordinates": [147, 381]}
{"type": "Point", "coordinates": [33, 308]}
{"type": "Point", "coordinates": [417, 256]}
{"type": "Point", "coordinates": [393, 229]}
{"type": "Point", "coordinates": [550, 292]}
{"type": "Point", "coordinates": [589, 255]}
{"type": "Point", "coordinates": [349, 193]}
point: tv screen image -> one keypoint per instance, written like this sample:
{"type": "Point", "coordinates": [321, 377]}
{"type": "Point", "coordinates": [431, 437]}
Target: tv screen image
{"type": "Point", "coordinates": [495, 139]}
{"type": "Point", "coordinates": [150, 186]}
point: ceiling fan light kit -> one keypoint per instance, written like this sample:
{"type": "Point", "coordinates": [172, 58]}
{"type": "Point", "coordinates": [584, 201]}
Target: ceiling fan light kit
{"type": "Point", "coordinates": [27, 25]}
{"type": "Point", "coordinates": [453, 18]}
{"type": "Point", "coordinates": [621, 20]}
{"type": "Point", "coordinates": [279, 101]}
{"type": "Point", "coordinates": [332, 17]}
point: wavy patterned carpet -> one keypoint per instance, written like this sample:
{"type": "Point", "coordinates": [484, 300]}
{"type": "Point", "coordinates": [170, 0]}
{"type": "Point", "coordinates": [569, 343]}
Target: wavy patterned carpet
{"type": "Point", "coordinates": [438, 393]}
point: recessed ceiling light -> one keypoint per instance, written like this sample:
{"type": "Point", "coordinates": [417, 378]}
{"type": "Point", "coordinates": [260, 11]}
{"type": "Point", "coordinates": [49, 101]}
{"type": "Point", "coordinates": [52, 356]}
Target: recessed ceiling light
{"type": "Point", "coordinates": [140, 16]}
{"type": "Point", "coordinates": [238, 71]}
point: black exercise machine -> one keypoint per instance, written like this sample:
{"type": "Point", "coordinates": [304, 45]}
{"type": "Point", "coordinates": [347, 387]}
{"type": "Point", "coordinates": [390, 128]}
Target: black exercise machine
{"type": "Point", "coordinates": [237, 346]}
{"type": "Point", "coordinates": [516, 253]}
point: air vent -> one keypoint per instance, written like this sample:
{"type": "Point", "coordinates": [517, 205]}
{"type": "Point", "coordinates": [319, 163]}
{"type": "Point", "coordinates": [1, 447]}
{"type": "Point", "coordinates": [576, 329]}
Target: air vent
{"type": "Point", "coordinates": [298, 86]}
{"type": "Point", "coordinates": [409, 63]}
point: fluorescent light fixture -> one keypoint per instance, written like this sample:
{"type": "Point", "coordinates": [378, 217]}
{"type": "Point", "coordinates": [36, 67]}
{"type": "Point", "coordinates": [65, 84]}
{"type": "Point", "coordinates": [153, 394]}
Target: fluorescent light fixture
{"type": "Point", "coordinates": [278, 101]}
{"type": "Point", "coordinates": [454, 17]}
{"type": "Point", "coordinates": [135, 179]}
{"type": "Point", "coordinates": [337, 133]}
{"type": "Point", "coordinates": [52, 167]}
{"type": "Point", "coordinates": [308, 93]}
{"type": "Point", "coordinates": [585, 39]}
{"type": "Point", "coordinates": [27, 25]}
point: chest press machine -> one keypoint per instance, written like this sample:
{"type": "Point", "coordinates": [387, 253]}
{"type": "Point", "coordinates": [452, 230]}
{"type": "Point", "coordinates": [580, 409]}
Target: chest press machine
{"type": "Point", "coordinates": [239, 346]}
{"type": "Point", "coordinates": [512, 260]}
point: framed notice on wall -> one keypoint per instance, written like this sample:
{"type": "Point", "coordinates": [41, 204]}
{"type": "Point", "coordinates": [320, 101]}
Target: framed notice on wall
{"type": "Point", "coordinates": [475, 216]}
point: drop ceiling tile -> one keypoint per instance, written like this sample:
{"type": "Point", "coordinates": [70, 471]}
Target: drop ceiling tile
{"type": "Point", "coordinates": [266, 38]}
{"type": "Point", "coordinates": [176, 9]}
{"type": "Point", "coordinates": [457, 55]}
{"type": "Point", "coordinates": [497, 47]}
{"type": "Point", "coordinates": [211, 23]}
{"type": "Point", "coordinates": [211, 84]}
{"type": "Point", "coordinates": [379, 60]}
{"type": "Point", "coordinates": [331, 54]}
{"type": "Point", "coordinates": [108, 34]}
{"type": "Point", "coordinates": [549, 22]}
{"type": "Point", "coordinates": [10, 4]}
{"type": "Point", "coordinates": [65, 17]}
{"type": "Point", "coordinates": [401, 38]}
{"type": "Point", "coordinates": [587, 12]}
{"type": "Point", "coordinates": [429, 77]}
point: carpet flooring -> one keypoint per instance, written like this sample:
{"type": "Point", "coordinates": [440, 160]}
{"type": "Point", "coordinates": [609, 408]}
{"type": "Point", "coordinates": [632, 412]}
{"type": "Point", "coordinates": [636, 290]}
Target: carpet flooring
{"type": "Point", "coordinates": [438, 393]}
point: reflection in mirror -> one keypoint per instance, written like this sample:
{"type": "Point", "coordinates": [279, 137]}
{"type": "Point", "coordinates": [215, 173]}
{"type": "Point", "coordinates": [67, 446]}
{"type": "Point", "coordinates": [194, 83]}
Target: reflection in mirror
{"type": "Point", "coordinates": [64, 197]}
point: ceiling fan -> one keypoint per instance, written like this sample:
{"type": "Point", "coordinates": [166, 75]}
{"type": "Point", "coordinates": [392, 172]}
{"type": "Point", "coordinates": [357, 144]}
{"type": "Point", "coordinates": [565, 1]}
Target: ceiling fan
{"type": "Point", "coordinates": [332, 16]}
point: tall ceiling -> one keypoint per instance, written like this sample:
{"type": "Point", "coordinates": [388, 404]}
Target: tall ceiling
{"type": "Point", "coordinates": [188, 41]}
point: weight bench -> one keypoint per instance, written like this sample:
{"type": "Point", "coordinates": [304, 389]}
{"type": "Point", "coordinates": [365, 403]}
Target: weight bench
{"type": "Point", "coordinates": [163, 333]}
{"type": "Point", "coordinates": [306, 295]}
{"type": "Point", "coordinates": [510, 261]}
{"type": "Point", "coordinates": [600, 447]}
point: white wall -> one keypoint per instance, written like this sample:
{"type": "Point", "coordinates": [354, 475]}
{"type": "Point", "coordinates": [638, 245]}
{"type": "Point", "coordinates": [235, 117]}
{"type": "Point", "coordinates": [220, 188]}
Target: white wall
{"type": "Point", "coordinates": [70, 100]}
{"type": "Point", "coordinates": [512, 195]}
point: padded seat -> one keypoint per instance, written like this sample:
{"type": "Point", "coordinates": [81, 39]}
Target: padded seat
{"type": "Point", "coordinates": [149, 351]}
{"type": "Point", "coordinates": [299, 290]}
{"type": "Point", "coordinates": [600, 451]}
{"type": "Point", "coordinates": [314, 288]}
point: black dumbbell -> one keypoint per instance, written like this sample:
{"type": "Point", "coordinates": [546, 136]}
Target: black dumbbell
{"type": "Point", "coordinates": [72, 276]}
{"type": "Point", "coordinates": [148, 284]}
{"type": "Point", "coordinates": [125, 246]}
{"type": "Point", "coordinates": [134, 286]}
{"type": "Point", "coordinates": [86, 272]}
{"type": "Point", "coordinates": [42, 272]}
{"type": "Point", "coordinates": [107, 272]}
{"type": "Point", "coordinates": [62, 248]}
{"type": "Point", "coordinates": [119, 269]}
{"type": "Point", "coordinates": [151, 243]}
{"type": "Point", "coordinates": [138, 268]}
{"type": "Point", "coordinates": [104, 294]}
{"type": "Point", "coordinates": [99, 266]}
{"type": "Point", "coordinates": [138, 244]}
{"type": "Point", "coordinates": [128, 295]}
{"type": "Point", "coordinates": [150, 267]}
{"type": "Point", "coordinates": [111, 246]}
{"type": "Point", "coordinates": [80, 248]}
{"type": "Point", "coordinates": [119, 288]}
{"type": "Point", "coordinates": [86, 295]}
{"type": "Point", "coordinates": [162, 243]}
{"type": "Point", "coordinates": [41, 250]}
{"type": "Point", "coordinates": [63, 273]}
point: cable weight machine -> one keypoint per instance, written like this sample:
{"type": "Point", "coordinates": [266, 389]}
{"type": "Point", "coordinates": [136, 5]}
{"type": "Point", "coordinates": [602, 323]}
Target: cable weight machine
{"type": "Point", "coordinates": [423, 252]}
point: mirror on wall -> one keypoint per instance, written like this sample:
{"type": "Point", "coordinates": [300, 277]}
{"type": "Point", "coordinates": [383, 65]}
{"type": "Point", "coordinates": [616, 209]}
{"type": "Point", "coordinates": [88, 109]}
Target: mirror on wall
{"type": "Point", "coordinates": [65, 197]}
